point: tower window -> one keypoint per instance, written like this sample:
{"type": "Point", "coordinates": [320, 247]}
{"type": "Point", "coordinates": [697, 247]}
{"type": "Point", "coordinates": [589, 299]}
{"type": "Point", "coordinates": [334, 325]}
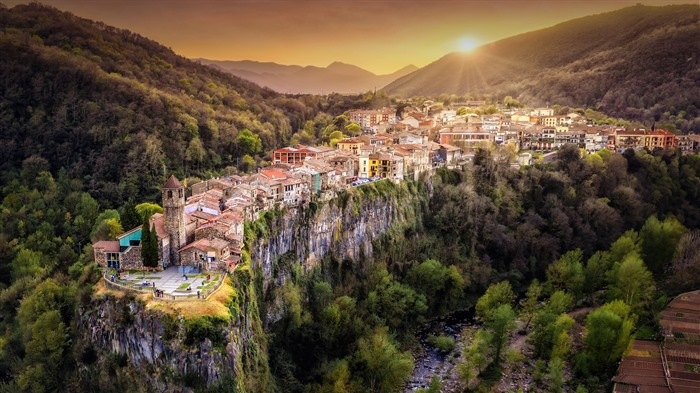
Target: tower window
{"type": "Point", "coordinates": [170, 194]}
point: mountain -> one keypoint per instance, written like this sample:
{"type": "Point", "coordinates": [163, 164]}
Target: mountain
{"type": "Point", "coordinates": [637, 62]}
{"type": "Point", "coordinates": [121, 112]}
{"type": "Point", "coordinates": [335, 78]}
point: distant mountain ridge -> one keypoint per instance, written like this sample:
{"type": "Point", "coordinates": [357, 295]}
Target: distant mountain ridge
{"type": "Point", "coordinates": [335, 78]}
{"type": "Point", "coordinates": [637, 62]}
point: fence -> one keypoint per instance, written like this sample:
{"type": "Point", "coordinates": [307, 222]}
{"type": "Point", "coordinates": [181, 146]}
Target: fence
{"type": "Point", "coordinates": [204, 295]}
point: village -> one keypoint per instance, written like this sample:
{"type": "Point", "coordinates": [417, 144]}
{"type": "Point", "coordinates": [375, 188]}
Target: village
{"type": "Point", "coordinates": [204, 232]}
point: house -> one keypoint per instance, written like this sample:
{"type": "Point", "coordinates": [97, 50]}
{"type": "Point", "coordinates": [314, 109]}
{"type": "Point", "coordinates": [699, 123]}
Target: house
{"type": "Point", "coordinates": [368, 118]}
{"type": "Point", "coordinates": [293, 155]}
{"type": "Point", "coordinates": [450, 154]}
{"type": "Point", "coordinates": [468, 138]}
{"type": "Point", "coordinates": [538, 112]}
{"type": "Point", "coordinates": [352, 145]}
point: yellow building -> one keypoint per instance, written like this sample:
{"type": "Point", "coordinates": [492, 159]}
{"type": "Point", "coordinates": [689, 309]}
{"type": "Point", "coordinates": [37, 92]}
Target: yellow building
{"type": "Point", "coordinates": [351, 144]}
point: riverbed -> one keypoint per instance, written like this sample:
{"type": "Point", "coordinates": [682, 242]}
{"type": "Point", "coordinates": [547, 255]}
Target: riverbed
{"type": "Point", "coordinates": [430, 361]}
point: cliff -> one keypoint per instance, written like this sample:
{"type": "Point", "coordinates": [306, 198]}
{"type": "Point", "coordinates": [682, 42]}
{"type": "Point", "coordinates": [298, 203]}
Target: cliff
{"type": "Point", "coordinates": [344, 228]}
{"type": "Point", "coordinates": [177, 353]}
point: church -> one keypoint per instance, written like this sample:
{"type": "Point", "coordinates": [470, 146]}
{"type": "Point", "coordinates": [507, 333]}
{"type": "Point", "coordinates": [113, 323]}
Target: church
{"type": "Point", "coordinates": [192, 234]}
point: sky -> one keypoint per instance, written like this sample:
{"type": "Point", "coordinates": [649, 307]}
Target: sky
{"type": "Point", "coordinates": [378, 35]}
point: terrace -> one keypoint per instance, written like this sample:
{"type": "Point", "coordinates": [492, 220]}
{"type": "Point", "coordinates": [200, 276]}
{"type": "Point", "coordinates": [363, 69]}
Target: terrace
{"type": "Point", "coordinates": [173, 283]}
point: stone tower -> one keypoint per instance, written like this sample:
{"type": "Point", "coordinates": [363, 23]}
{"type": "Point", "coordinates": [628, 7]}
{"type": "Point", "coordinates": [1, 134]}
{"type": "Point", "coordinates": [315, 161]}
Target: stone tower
{"type": "Point", "coordinates": [174, 216]}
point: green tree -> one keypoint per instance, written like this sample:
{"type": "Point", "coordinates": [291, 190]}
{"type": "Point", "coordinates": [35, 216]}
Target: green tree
{"type": "Point", "coordinates": [496, 295]}
{"type": "Point", "coordinates": [531, 301]}
{"type": "Point", "coordinates": [149, 245]}
{"type": "Point", "coordinates": [475, 356]}
{"type": "Point", "coordinates": [383, 367]}
{"type": "Point", "coordinates": [249, 143]}
{"type": "Point", "coordinates": [130, 217]}
{"type": "Point", "coordinates": [442, 286]}
{"type": "Point", "coordinates": [44, 354]}
{"type": "Point", "coordinates": [631, 282]}
{"type": "Point", "coordinates": [146, 210]}
{"type": "Point", "coordinates": [435, 386]}
{"type": "Point", "coordinates": [550, 334]}
{"type": "Point", "coordinates": [500, 324]}
{"type": "Point", "coordinates": [659, 240]}
{"type": "Point", "coordinates": [27, 263]}
{"type": "Point", "coordinates": [555, 375]}
{"type": "Point", "coordinates": [247, 164]}
{"type": "Point", "coordinates": [597, 267]}
{"type": "Point", "coordinates": [566, 273]}
{"type": "Point", "coordinates": [608, 333]}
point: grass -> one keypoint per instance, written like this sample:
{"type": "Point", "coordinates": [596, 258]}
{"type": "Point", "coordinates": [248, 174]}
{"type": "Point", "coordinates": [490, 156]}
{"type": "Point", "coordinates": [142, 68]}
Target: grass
{"type": "Point", "coordinates": [183, 286]}
{"type": "Point", "coordinates": [148, 277]}
{"type": "Point", "coordinates": [214, 306]}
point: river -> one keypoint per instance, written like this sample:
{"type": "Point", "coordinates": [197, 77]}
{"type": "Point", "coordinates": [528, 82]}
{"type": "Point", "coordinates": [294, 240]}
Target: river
{"type": "Point", "coordinates": [431, 361]}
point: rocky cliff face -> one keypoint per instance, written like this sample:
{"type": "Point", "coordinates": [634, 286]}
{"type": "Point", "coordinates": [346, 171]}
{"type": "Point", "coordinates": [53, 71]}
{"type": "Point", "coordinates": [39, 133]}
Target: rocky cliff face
{"type": "Point", "coordinates": [153, 340]}
{"type": "Point", "coordinates": [344, 228]}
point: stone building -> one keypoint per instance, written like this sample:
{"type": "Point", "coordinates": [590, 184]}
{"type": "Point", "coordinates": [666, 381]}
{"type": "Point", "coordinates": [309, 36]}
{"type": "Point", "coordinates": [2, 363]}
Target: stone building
{"type": "Point", "coordinates": [174, 214]}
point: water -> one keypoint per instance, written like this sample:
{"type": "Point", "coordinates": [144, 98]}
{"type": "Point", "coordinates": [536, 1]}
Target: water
{"type": "Point", "coordinates": [431, 362]}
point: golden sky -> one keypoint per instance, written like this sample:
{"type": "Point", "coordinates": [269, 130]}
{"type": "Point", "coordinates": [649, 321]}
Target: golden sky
{"type": "Point", "coordinates": [380, 36]}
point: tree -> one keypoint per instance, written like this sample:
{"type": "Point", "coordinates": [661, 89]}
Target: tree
{"type": "Point", "coordinates": [247, 163]}
{"type": "Point", "coordinates": [44, 353]}
{"type": "Point", "coordinates": [501, 323]}
{"type": "Point", "coordinates": [249, 143]}
{"type": "Point", "coordinates": [434, 386]}
{"type": "Point", "coordinates": [496, 295]}
{"type": "Point", "coordinates": [631, 282]}
{"type": "Point", "coordinates": [531, 301]}
{"type": "Point", "coordinates": [383, 367]}
{"type": "Point", "coordinates": [550, 334]}
{"type": "Point", "coordinates": [555, 375]}
{"type": "Point", "coordinates": [149, 245]}
{"type": "Point", "coordinates": [596, 268]}
{"type": "Point", "coordinates": [146, 210]}
{"type": "Point", "coordinates": [608, 332]}
{"type": "Point", "coordinates": [475, 356]}
{"type": "Point", "coordinates": [659, 240]}
{"type": "Point", "coordinates": [107, 226]}
{"type": "Point", "coordinates": [442, 286]}
{"type": "Point", "coordinates": [27, 263]}
{"type": "Point", "coordinates": [130, 217]}
{"type": "Point", "coordinates": [566, 273]}
{"type": "Point", "coordinates": [685, 268]}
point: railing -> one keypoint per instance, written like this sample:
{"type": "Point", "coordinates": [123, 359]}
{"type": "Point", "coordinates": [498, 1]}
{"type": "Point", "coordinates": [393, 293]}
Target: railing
{"type": "Point", "coordinates": [204, 295]}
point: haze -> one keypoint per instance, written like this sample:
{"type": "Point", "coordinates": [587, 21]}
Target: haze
{"type": "Point", "coordinates": [380, 36]}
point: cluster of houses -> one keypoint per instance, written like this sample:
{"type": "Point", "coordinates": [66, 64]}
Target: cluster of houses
{"type": "Point", "coordinates": [538, 130]}
{"type": "Point", "coordinates": [205, 230]}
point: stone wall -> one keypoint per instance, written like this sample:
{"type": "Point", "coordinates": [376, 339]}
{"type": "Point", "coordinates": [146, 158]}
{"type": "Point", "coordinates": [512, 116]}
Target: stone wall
{"type": "Point", "coordinates": [130, 259]}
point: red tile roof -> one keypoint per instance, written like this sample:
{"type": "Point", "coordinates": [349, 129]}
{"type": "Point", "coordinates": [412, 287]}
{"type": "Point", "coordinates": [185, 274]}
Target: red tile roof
{"type": "Point", "coordinates": [107, 245]}
{"type": "Point", "coordinates": [172, 182]}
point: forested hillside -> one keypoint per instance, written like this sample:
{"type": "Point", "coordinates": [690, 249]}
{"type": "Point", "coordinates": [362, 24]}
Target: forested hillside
{"type": "Point", "coordinates": [121, 112]}
{"type": "Point", "coordinates": [640, 63]}
{"type": "Point", "coordinates": [579, 232]}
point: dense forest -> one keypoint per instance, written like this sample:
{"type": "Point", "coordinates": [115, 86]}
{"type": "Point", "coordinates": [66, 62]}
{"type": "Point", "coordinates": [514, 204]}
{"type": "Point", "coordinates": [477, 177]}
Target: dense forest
{"type": "Point", "coordinates": [607, 231]}
{"type": "Point", "coordinates": [121, 112]}
{"type": "Point", "coordinates": [640, 63]}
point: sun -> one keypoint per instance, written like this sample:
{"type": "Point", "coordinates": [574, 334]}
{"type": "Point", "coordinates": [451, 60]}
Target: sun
{"type": "Point", "coordinates": [467, 44]}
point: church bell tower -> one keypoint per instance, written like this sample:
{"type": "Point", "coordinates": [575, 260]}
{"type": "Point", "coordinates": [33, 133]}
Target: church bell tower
{"type": "Point", "coordinates": [174, 216]}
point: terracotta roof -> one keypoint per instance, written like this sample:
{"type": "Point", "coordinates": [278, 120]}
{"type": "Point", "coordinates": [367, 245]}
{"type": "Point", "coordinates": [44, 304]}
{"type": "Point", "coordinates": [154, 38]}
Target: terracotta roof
{"type": "Point", "coordinates": [107, 245]}
{"type": "Point", "coordinates": [172, 182]}
{"type": "Point", "coordinates": [157, 220]}
{"type": "Point", "coordinates": [199, 245]}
